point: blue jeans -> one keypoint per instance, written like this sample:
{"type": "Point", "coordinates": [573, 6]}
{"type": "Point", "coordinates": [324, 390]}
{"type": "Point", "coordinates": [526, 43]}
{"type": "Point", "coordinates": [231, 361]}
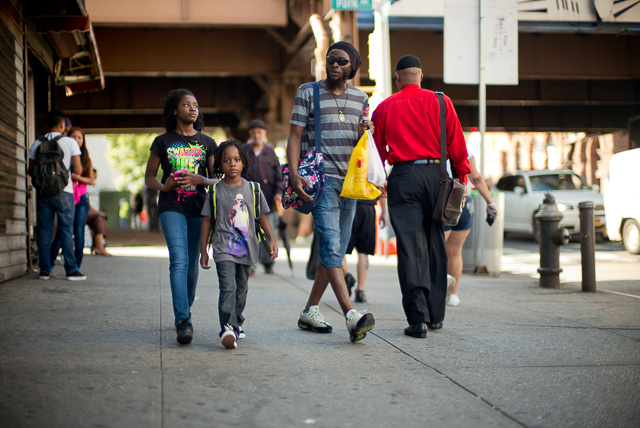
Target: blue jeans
{"type": "Point", "coordinates": [47, 207]}
{"type": "Point", "coordinates": [79, 222]}
{"type": "Point", "coordinates": [233, 280]}
{"type": "Point", "coordinates": [334, 218]}
{"type": "Point", "coordinates": [182, 235]}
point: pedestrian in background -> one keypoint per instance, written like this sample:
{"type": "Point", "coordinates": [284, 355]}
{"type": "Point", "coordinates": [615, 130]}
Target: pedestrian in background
{"type": "Point", "coordinates": [456, 235]}
{"type": "Point", "coordinates": [151, 200]}
{"type": "Point", "coordinates": [341, 117]}
{"type": "Point", "coordinates": [363, 239]}
{"type": "Point", "coordinates": [186, 157]}
{"type": "Point", "coordinates": [80, 198]}
{"type": "Point", "coordinates": [264, 168]}
{"type": "Point", "coordinates": [234, 198]}
{"type": "Point", "coordinates": [60, 205]}
{"type": "Point", "coordinates": [408, 137]}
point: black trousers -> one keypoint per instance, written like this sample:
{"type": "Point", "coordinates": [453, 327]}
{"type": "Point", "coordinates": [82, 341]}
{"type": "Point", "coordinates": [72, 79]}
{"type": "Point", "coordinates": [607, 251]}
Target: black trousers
{"type": "Point", "coordinates": [422, 256]}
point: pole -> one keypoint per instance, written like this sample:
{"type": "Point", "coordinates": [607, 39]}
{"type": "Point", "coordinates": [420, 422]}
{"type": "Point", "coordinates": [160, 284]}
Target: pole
{"type": "Point", "coordinates": [381, 32]}
{"type": "Point", "coordinates": [482, 108]}
{"type": "Point", "coordinates": [587, 246]}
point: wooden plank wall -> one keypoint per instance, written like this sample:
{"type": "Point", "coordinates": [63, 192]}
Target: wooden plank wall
{"type": "Point", "coordinates": [13, 192]}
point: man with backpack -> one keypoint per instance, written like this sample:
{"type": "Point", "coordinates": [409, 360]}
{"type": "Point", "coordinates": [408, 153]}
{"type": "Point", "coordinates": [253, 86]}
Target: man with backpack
{"type": "Point", "coordinates": [51, 157]}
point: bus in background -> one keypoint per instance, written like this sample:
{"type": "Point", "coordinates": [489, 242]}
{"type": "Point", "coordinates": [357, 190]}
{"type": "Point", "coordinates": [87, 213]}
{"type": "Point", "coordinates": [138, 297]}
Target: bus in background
{"type": "Point", "coordinates": [622, 200]}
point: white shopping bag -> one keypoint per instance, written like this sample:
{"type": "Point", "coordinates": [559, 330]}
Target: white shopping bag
{"type": "Point", "coordinates": [375, 169]}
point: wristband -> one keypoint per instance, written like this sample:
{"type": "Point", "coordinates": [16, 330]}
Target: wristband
{"type": "Point", "coordinates": [491, 205]}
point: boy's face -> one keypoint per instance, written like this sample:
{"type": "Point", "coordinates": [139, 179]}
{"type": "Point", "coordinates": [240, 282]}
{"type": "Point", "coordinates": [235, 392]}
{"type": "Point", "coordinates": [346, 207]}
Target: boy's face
{"type": "Point", "coordinates": [232, 163]}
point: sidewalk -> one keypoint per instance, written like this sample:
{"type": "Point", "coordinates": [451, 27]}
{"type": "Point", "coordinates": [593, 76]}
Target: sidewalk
{"type": "Point", "coordinates": [102, 353]}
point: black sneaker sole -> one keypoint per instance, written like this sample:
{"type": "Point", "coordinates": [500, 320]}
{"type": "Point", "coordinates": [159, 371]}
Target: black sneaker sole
{"type": "Point", "coordinates": [365, 324]}
{"type": "Point", "coordinates": [303, 325]}
{"type": "Point", "coordinates": [184, 337]}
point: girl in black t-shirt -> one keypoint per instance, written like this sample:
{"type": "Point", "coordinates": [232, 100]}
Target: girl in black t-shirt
{"type": "Point", "coordinates": [186, 157]}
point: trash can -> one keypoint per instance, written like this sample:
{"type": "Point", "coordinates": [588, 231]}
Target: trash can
{"type": "Point", "coordinates": [482, 250]}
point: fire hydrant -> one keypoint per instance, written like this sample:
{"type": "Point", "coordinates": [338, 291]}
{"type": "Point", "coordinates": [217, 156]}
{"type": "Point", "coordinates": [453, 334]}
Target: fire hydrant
{"type": "Point", "coordinates": [551, 238]}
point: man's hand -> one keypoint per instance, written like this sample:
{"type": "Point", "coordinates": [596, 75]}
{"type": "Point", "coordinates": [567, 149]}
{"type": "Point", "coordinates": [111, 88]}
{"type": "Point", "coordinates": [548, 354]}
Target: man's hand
{"type": "Point", "coordinates": [366, 125]}
{"type": "Point", "coordinates": [297, 184]}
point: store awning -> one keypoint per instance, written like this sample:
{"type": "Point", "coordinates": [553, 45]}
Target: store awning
{"type": "Point", "coordinates": [78, 67]}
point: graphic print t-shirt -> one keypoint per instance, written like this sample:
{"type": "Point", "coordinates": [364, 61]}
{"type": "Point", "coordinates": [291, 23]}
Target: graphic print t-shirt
{"type": "Point", "coordinates": [178, 152]}
{"type": "Point", "coordinates": [235, 235]}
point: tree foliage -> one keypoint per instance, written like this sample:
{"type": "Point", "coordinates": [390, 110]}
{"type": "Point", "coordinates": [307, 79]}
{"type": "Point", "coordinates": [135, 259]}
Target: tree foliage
{"type": "Point", "coordinates": [128, 155]}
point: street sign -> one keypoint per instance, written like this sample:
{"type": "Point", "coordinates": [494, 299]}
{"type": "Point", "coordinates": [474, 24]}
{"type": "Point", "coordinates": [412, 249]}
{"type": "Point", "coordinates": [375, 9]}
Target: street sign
{"type": "Point", "coordinates": [500, 44]}
{"type": "Point", "coordinates": [351, 4]}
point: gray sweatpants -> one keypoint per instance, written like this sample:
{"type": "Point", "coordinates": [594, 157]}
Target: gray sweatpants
{"type": "Point", "coordinates": [233, 280]}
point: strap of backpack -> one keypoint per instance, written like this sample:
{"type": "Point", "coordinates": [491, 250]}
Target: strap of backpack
{"type": "Point", "coordinates": [212, 207]}
{"type": "Point", "coordinates": [262, 237]}
{"type": "Point", "coordinates": [256, 199]}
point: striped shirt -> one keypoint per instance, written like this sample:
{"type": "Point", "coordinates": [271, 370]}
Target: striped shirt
{"type": "Point", "coordinates": [338, 139]}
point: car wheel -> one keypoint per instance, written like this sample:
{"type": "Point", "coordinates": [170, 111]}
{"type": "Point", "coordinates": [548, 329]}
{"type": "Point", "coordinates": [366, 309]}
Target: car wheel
{"type": "Point", "coordinates": [631, 236]}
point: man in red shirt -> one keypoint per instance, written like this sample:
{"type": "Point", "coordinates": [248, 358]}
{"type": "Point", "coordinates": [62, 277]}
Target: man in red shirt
{"type": "Point", "coordinates": [408, 137]}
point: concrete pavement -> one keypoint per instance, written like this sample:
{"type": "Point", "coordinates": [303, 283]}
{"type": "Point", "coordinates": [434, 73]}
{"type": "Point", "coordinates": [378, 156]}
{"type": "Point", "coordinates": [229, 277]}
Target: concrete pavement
{"type": "Point", "coordinates": [102, 353]}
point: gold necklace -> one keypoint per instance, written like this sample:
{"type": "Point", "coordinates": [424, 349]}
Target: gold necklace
{"type": "Point", "coordinates": [341, 117]}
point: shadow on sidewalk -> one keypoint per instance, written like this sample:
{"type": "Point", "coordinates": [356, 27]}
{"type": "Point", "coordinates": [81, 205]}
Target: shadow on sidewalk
{"type": "Point", "coordinates": [135, 238]}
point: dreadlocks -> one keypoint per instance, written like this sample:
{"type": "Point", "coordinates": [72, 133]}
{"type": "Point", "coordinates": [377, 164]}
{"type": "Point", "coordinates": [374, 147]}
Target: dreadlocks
{"type": "Point", "coordinates": [171, 104]}
{"type": "Point", "coordinates": [217, 157]}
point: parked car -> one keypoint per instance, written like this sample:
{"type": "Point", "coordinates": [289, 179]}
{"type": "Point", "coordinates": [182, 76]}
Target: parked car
{"type": "Point", "coordinates": [623, 202]}
{"type": "Point", "coordinates": [524, 192]}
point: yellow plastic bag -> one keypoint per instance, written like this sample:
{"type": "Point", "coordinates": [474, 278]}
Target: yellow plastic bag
{"type": "Point", "coordinates": [356, 185]}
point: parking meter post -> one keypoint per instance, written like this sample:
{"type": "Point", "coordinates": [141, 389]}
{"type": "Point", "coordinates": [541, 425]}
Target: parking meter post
{"type": "Point", "coordinates": [551, 238]}
{"type": "Point", "coordinates": [587, 246]}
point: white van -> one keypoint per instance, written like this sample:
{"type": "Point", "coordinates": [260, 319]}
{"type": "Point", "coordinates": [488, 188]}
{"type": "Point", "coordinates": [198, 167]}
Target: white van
{"type": "Point", "coordinates": [621, 200]}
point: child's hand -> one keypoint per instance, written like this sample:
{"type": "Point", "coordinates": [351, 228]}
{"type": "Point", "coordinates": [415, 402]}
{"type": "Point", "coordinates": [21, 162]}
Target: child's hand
{"type": "Point", "coordinates": [273, 249]}
{"type": "Point", "coordinates": [204, 260]}
{"type": "Point", "coordinates": [170, 184]}
{"type": "Point", "coordinates": [186, 178]}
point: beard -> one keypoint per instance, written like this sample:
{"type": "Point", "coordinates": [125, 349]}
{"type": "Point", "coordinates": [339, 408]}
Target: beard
{"type": "Point", "coordinates": [340, 81]}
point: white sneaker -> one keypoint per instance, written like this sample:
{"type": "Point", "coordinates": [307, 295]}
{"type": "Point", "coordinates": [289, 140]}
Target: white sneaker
{"type": "Point", "coordinates": [451, 281]}
{"type": "Point", "coordinates": [314, 321]}
{"type": "Point", "coordinates": [454, 300]}
{"type": "Point", "coordinates": [359, 324]}
{"type": "Point", "coordinates": [228, 338]}
{"type": "Point", "coordinates": [241, 334]}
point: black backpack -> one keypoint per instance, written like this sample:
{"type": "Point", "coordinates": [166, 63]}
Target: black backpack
{"type": "Point", "coordinates": [49, 175]}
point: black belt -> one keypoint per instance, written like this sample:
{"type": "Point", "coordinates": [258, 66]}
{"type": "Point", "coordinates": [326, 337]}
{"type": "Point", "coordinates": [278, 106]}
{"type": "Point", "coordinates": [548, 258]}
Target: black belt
{"type": "Point", "coordinates": [421, 162]}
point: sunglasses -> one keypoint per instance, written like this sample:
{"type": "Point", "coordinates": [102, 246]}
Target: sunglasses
{"type": "Point", "coordinates": [341, 61]}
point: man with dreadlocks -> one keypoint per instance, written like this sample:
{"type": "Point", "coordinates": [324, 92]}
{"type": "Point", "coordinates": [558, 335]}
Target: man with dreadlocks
{"type": "Point", "coordinates": [342, 124]}
{"type": "Point", "coordinates": [186, 157]}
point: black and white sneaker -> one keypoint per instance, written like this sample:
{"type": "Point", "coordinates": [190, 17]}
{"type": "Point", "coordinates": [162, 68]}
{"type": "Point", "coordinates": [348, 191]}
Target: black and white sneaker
{"type": "Point", "coordinates": [350, 281]}
{"type": "Point", "coordinates": [184, 332]}
{"type": "Point", "coordinates": [241, 334]}
{"type": "Point", "coordinates": [358, 324]}
{"type": "Point", "coordinates": [314, 321]}
{"type": "Point", "coordinates": [76, 276]}
{"type": "Point", "coordinates": [44, 276]}
{"type": "Point", "coordinates": [228, 338]}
